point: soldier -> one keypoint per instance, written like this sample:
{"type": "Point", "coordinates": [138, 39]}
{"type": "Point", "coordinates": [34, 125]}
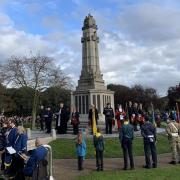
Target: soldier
{"type": "Point", "coordinates": [173, 131]}
{"type": "Point", "coordinates": [148, 132]}
{"type": "Point", "coordinates": [109, 115]}
{"type": "Point", "coordinates": [126, 136]}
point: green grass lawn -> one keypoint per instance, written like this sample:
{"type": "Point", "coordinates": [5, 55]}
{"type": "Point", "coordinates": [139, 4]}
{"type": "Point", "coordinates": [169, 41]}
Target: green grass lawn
{"type": "Point", "coordinates": [167, 173]}
{"type": "Point", "coordinates": [65, 148]}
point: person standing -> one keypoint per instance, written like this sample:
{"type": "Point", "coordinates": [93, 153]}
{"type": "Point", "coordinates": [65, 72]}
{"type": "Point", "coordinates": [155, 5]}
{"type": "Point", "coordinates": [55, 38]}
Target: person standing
{"type": "Point", "coordinates": [148, 131]}
{"type": "Point", "coordinates": [99, 148]}
{"type": "Point", "coordinates": [20, 146]}
{"type": "Point", "coordinates": [62, 119]}
{"type": "Point", "coordinates": [41, 115]}
{"type": "Point", "coordinates": [3, 142]}
{"type": "Point", "coordinates": [135, 116]}
{"type": "Point", "coordinates": [11, 135]}
{"type": "Point", "coordinates": [140, 115]}
{"type": "Point", "coordinates": [80, 150]}
{"type": "Point", "coordinates": [130, 111]}
{"type": "Point", "coordinates": [75, 121]}
{"type": "Point", "coordinates": [126, 136]}
{"type": "Point", "coordinates": [109, 115]}
{"type": "Point", "coordinates": [173, 131]}
{"type": "Point", "coordinates": [48, 119]}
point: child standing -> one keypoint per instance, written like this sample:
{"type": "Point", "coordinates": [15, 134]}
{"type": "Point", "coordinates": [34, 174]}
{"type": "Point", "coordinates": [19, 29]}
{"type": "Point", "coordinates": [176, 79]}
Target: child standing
{"type": "Point", "coordinates": [80, 150]}
{"type": "Point", "coordinates": [99, 147]}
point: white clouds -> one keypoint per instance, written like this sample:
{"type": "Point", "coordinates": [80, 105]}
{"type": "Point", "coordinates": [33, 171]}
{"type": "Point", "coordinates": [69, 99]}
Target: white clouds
{"type": "Point", "coordinates": [150, 23]}
{"type": "Point", "coordinates": [139, 46]}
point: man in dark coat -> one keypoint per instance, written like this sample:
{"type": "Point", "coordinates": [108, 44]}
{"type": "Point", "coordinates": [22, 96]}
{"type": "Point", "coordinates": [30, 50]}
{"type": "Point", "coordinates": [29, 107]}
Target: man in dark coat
{"type": "Point", "coordinates": [48, 119]}
{"type": "Point", "coordinates": [109, 115]}
{"type": "Point", "coordinates": [148, 132]}
{"type": "Point", "coordinates": [62, 118]}
{"type": "Point", "coordinates": [41, 115]}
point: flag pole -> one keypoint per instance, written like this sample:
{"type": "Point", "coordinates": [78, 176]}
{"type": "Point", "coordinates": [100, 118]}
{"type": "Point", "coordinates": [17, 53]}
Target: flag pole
{"type": "Point", "coordinates": [177, 108]}
{"type": "Point", "coordinates": [153, 115]}
{"type": "Point", "coordinates": [94, 121]}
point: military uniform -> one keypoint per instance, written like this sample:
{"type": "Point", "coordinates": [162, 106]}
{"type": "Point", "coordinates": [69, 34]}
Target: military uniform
{"type": "Point", "coordinates": [173, 131]}
{"type": "Point", "coordinates": [109, 115]}
{"type": "Point", "coordinates": [148, 132]}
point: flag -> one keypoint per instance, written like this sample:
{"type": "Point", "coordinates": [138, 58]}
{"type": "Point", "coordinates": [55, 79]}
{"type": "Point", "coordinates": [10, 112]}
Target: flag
{"type": "Point", "coordinates": [178, 118]}
{"type": "Point", "coordinates": [94, 127]}
{"type": "Point", "coordinates": [153, 115]}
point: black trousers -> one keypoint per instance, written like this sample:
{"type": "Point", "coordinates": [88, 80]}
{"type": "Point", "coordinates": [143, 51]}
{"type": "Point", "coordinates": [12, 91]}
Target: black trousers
{"type": "Point", "coordinates": [62, 129]}
{"type": "Point", "coordinates": [80, 162]}
{"type": "Point", "coordinates": [48, 126]}
{"type": "Point", "coordinates": [150, 149]}
{"type": "Point", "coordinates": [2, 161]}
{"type": "Point", "coordinates": [75, 129]}
{"type": "Point", "coordinates": [127, 151]}
{"type": "Point", "coordinates": [108, 125]}
{"type": "Point", "coordinates": [99, 159]}
{"type": "Point", "coordinates": [42, 123]}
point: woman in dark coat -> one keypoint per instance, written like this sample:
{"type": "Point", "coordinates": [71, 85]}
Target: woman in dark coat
{"type": "Point", "coordinates": [75, 122]}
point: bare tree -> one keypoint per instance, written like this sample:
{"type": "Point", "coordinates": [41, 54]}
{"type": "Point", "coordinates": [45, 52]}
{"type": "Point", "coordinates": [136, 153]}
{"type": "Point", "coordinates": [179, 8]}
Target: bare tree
{"type": "Point", "coordinates": [36, 71]}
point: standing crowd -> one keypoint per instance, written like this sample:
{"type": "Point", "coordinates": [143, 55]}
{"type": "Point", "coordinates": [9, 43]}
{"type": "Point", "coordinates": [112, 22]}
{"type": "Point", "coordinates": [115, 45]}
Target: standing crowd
{"type": "Point", "coordinates": [127, 123]}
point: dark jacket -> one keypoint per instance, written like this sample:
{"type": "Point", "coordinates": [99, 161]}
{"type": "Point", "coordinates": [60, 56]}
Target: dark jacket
{"type": "Point", "coordinates": [11, 136]}
{"type": "Point", "coordinates": [64, 116]}
{"type": "Point", "coordinates": [98, 142]}
{"type": "Point", "coordinates": [20, 144]}
{"type": "Point", "coordinates": [37, 155]}
{"type": "Point", "coordinates": [148, 130]}
{"type": "Point", "coordinates": [126, 132]}
{"type": "Point", "coordinates": [108, 112]}
{"type": "Point", "coordinates": [2, 138]}
{"type": "Point", "coordinates": [48, 116]}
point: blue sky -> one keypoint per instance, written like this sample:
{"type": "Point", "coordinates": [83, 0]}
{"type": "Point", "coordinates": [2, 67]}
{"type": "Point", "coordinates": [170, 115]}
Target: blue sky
{"type": "Point", "coordinates": [140, 37]}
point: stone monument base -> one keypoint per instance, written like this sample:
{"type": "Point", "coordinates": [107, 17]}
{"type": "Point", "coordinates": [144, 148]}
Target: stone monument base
{"type": "Point", "coordinates": [82, 99]}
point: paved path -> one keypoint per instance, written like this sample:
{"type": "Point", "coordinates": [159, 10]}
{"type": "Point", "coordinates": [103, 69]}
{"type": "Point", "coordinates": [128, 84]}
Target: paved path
{"type": "Point", "coordinates": [66, 169]}
{"type": "Point", "coordinates": [41, 134]}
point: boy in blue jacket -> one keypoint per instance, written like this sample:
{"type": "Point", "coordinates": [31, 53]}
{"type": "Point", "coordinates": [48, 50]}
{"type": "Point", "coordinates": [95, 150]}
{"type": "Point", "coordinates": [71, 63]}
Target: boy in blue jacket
{"type": "Point", "coordinates": [80, 150]}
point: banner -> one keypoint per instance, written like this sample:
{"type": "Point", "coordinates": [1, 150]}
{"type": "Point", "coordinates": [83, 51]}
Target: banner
{"type": "Point", "coordinates": [94, 127]}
